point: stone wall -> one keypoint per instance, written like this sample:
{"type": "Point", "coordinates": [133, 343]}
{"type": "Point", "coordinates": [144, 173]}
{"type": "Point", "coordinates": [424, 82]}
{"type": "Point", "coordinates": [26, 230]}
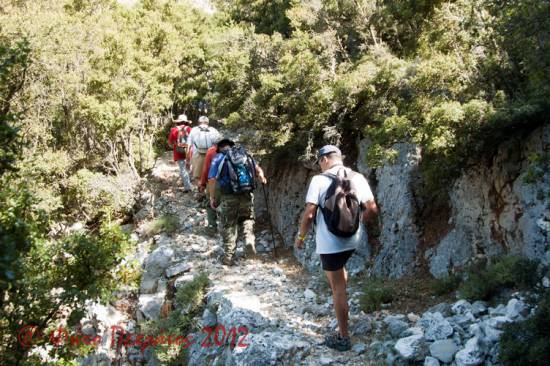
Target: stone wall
{"type": "Point", "coordinates": [494, 210]}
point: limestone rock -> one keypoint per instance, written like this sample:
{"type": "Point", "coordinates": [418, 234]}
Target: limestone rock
{"type": "Point", "coordinates": [269, 348]}
{"type": "Point", "coordinates": [461, 307]}
{"type": "Point", "coordinates": [178, 269]}
{"type": "Point", "coordinates": [158, 261]}
{"type": "Point", "coordinates": [444, 350]}
{"type": "Point", "coordinates": [516, 308]}
{"type": "Point", "coordinates": [396, 325]}
{"type": "Point", "coordinates": [488, 332]}
{"type": "Point", "coordinates": [237, 309]}
{"type": "Point", "coordinates": [479, 308]}
{"type": "Point", "coordinates": [471, 355]}
{"type": "Point", "coordinates": [498, 322]}
{"type": "Point", "coordinates": [359, 348]}
{"type": "Point", "coordinates": [412, 348]}
{"type": "Point", "coordinates": [430, 361]}
{"type": "Point", "coordinates": [361, 326]}
{"type": "Point", "coordinates": [150, 305]}
{"type": "Point", "coordinates": [519, 224]}
{"type": "Point", "coordinates": [435, 326]}
{"type": "Point", "coordinates": [209, 318]}
{"type": "Point", "coordinates": [310, 295]}
{"type": "Point", "coordinates": [400, 235]}
{"type": "Point", "coordinates": [499, 310]}
{"type": "Point", "coordinates": [148, 285]}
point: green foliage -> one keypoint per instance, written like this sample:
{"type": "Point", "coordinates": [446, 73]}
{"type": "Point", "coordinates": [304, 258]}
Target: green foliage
{"type": "Point", "coordinates": [20, 227]}
{"type": "Point", "coordinates": [92, 194]}
{"type": "Point", "coordinates": [452, 77]}
{"type": "Point", "coordinates": [507, 272]}
{"type": "Point", "coordinates": [446, 285]}
{"type": "Point", "coordinates": [528, 342]}
{"type": "Point", "coordinates": [91, 83]}
{"type": "Point", "coordinates": [13, 66]}
{"type": "Point", "coordinates": [540, 164]}
{"type": "Point", "coordinates": [189, 300]}
{"type": "Point", "coordinates": [56, 278]}
{"type": "Point", "coordinates": [376, 293]}
{"type": "Point", "coordinates": [267, 16]}
{"type": "Point", "coordinates": [166, 224]}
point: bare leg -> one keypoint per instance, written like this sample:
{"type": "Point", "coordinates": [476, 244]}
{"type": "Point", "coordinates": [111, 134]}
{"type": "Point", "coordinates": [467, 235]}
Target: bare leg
{"type": "Point", "coordinates": [338, 281]}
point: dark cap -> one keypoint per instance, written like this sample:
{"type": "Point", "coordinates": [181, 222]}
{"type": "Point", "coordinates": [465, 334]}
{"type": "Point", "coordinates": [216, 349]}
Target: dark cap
{"type": "Point", "coordinates": [328, 149]}
{"type": "Point", "coordinates": [224, 142]}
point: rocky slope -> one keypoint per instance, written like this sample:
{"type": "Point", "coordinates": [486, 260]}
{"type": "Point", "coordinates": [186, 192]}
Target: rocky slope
{"type": "Point", "coordinates": [280, 311]}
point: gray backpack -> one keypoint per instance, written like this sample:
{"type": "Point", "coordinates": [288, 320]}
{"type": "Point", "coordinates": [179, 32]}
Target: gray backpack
{"type": "Point", "coordinates": [341, 208]}
{"type": "Point", "coordinates": [203, 140]}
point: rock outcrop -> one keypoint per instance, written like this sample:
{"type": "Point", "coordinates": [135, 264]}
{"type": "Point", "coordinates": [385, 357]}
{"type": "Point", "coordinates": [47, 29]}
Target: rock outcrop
{"type": "Point", "coordinates": [498, 206]}
{"type": "Point", "coordinates": [497, 209]}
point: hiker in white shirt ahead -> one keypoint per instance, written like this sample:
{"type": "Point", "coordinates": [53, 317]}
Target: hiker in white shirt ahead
{"type": "Point", "coordinates": [335, 250]}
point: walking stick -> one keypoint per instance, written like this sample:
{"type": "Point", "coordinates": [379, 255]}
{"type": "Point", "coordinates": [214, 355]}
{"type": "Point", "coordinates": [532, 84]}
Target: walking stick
{"type": "Point", "coordinates": [269, 220]}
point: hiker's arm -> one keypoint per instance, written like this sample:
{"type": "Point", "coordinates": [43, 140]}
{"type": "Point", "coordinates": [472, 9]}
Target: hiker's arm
{"type": "Point", "coordinates": [307, 219]}
{"type": "Point", "coordinates": [260, 174]}
{"type": "Point", "coordinates": [212, 191]}
{"type": "Point", "coordinates": [189, 152]}
{"type": "Point", "coordinates": [370, 212]}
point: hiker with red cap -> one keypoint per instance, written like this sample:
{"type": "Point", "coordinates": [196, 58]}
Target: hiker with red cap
{"type": "Point", "coordinates": [338, 199]}
{"type": "Point", "coordinates": [178, 140]}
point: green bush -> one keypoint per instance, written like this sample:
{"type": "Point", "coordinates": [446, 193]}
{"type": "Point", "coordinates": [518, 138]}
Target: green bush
{"type": "Point", "coordinates": [507, 272]}
{"type": "Point", "coordinates": [446, 285]}
{"type": "Point", "coordinates": [527, 343]}
{"type": "Point", "coordinates": [165, 224]}
{"type": "Point", "coordinates": [189, 303]}
{"type": "Point", "coordinates": [90, 194]}
{"type": "Point", "coordinates": [376, 293]}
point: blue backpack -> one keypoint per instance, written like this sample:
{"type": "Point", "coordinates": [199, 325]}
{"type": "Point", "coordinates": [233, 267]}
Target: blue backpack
{"type": "Point", "coordinates": [237, 172]}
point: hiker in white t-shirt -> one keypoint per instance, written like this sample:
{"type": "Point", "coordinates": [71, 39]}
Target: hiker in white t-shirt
{"type": "Point", "coordinates": [200, 139]}
{"type": "Point", "coordinates": [344, 199]}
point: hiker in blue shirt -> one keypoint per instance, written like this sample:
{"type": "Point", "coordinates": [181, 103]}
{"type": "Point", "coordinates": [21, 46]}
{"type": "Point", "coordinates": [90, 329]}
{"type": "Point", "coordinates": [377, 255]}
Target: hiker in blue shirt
{"type": "Point", "coordinates": [236, 172]}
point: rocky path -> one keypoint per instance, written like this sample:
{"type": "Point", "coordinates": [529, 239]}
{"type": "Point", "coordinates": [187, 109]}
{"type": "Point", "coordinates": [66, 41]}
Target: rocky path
{"type": "Point", "coordinates": [285, 310]}
{"type": "Point", "coordinates": [277, 310]}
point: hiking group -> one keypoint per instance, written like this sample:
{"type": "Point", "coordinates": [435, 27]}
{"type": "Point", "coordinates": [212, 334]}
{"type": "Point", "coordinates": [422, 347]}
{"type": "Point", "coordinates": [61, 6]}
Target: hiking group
{"type": "Point", "coordinates": [339, 202]}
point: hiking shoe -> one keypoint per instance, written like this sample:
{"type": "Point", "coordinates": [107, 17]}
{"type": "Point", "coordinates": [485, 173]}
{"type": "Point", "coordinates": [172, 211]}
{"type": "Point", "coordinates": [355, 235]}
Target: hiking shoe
{"type": "Point", "coordinates": [337, 342]}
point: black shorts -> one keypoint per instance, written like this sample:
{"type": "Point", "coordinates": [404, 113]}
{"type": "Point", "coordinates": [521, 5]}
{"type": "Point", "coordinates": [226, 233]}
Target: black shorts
{"type": "Point", "coordinates": [335, 261]}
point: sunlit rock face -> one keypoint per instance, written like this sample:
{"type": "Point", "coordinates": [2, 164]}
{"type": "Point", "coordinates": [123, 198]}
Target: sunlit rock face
{"type": "Point", "coordinates": [500, 205]}
{"type": "Point", "coordinates": [500, 208]}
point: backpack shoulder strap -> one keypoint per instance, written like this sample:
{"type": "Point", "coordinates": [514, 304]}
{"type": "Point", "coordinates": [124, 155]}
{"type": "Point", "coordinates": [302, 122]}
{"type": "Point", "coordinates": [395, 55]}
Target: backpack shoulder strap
{"type": "Point", "coordinates": [329, 175]}
{"type": "Point", "coordinates": [220, 167]}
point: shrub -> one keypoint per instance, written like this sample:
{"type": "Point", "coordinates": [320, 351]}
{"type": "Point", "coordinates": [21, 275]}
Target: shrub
{"type": "Point", "coordinates": [478, 286]}
{"type": "Point", "coordinates": [376, 293]}
{"type": "Point", "coordinates": [446, 285]}
{"type": "Point", "coordinates": [515, 272]}
{"type": "Point", "coordinates": [528, 342]}
{"type": "Point", "coordinates": [189, 303]}
{"type": "Point", "coordinates": [92, 194]}
{"type": "Point", "coordinates": [507, 272]}
{"type": "Point", "coordinates": [167, 224]}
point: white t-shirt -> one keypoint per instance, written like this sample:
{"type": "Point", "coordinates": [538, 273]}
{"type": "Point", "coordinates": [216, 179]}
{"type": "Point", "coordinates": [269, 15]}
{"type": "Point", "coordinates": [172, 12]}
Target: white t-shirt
{"type": "Point", "coordinates": [326, 241]}
{"type": "Point", "coordinates": [195, 136]}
